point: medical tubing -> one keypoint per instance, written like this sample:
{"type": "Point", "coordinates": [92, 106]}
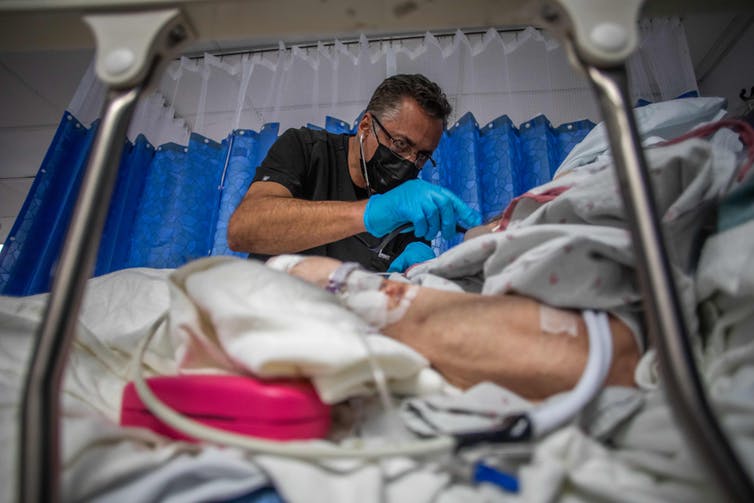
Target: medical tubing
{"type": "Point", "coordinates": [305, 450]}
{"type": "Point", "coordinates": [607, 348]}
{"type": "Point", "coordinates": [336, 284]}
{"type": "Point", "coordinates": [380, 381]}
{"type": "Point", "coordinates": [550, 416]}
{"type": "Point", "coordinates": [483, 472]}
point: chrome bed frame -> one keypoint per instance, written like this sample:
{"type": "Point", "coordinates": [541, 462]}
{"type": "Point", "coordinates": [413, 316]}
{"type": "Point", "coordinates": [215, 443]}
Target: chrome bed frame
{"type": "Point", "coordinates": [135, 39]}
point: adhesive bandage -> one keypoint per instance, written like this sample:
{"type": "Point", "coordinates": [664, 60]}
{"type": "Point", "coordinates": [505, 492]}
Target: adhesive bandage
{"type": "Point", "coordinates": [378, 301]}
{"type": "Point", "coordinates": [284, 262]}
{"type": "Point", "coordinates": [556, 321]}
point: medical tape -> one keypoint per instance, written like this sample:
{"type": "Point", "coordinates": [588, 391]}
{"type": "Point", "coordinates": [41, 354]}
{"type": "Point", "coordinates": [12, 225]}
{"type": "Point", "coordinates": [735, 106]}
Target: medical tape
{"type": "Point", "coordinates": [284, 262]}
{"type": "Point", "coordinates": [376, 300]}
{"type": "Point", "coordinates": [557, 321]}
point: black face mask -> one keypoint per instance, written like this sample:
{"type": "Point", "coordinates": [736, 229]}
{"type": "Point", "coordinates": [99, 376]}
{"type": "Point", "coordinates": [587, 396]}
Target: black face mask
{"type": "Point", "coordinates": [386, 170]}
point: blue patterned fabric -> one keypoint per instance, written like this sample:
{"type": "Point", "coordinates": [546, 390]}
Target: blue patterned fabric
{"type": "Point", "coordinates": [539, 153]}
{"type": "Point", "coordinates": [490, 165]}
{"type": "Point", "coordinates": [179, 202]}
{"type": "Point", "coordinates": [247, 150]}
{"type": "Point", "coordinates": [569, 135]}
{"type": "Point", "coordinates": [456, 158]}
{"type": "Point", "coordinates": [500, 156]}
{"type": "Point", "coordinates": [116, 235]}
{"type": "Point", "coordinates": [338, 126]}
{"type": "Point", "coordinates": [34, 242]}
{"type": "Point", "coordinates": [172, 204]}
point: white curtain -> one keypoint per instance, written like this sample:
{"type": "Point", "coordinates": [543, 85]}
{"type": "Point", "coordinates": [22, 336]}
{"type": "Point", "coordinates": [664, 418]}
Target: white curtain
{"type": "Point", "coordinates": [521, 74]}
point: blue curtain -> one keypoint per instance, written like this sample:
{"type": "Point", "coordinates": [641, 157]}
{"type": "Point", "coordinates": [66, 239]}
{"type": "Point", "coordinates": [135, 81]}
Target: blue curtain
{"type": "Point", "coordinates": [34, 242]}
{"type": "Point", "coordinates": [488, 166]}
{"type": "Point", "coordinates": [171, 204]}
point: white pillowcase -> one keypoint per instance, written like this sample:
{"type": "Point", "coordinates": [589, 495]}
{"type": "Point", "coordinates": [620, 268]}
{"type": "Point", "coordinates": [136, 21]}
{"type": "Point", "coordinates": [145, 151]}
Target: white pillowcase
{"type": "Point", "coordinates": [656, 122]}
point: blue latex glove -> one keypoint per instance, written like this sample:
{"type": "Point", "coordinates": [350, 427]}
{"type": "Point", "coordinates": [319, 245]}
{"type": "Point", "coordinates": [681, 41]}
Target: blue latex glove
{"type": "Point", "coordinates": [428, 207]}
{"type": "Point", "coordinates": [413, 254]}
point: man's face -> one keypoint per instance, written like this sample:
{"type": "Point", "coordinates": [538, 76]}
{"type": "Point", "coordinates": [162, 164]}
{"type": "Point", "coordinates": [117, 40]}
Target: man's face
{"type": "Point", "coordinates": [410, 133]}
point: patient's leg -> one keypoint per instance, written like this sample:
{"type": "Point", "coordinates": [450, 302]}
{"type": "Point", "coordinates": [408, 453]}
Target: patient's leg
{"type": "Point", "coordinates": [507, 339]}
{"type": "Point", "coordinates": [471, 338]}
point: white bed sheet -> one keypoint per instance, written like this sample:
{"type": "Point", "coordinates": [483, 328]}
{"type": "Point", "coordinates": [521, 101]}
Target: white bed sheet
{"type": "Point", "coordinates": [646, 458]}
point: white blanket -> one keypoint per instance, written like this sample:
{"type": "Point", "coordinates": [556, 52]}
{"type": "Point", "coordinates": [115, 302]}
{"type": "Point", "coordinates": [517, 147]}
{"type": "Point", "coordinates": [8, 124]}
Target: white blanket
{"type": "Point", "coordinates": [241, 316]}
{"type": "Point", "coordinates": [104, 462]}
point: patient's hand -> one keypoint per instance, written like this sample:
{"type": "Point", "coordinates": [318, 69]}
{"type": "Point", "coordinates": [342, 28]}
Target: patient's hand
{"type": "Point", "coordinates": [316, 270]}
{"type": "Point", "coordinates": [480, 230]}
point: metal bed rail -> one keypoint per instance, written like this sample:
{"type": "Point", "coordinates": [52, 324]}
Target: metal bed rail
{"type": "Point", "coordinates": [135, 38]}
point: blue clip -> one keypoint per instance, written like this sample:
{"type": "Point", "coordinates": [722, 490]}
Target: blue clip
{"type": "Point", "coordinates": [485, 473]}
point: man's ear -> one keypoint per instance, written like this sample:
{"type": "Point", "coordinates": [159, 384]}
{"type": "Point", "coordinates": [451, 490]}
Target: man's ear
{"type": "Point", "coordinates": [363, 128]}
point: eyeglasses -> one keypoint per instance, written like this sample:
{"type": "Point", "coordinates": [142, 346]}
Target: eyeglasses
{"type": "Point", "coordinates": [402, 148]}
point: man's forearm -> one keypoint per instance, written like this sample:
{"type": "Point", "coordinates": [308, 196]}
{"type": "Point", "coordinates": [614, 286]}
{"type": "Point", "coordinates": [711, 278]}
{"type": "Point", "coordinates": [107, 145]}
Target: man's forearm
{"type": "Point", "coordinates": [274, 225]}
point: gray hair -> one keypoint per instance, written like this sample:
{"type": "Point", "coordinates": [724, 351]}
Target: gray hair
{"type": "Point", "coordinates": [387, 98]}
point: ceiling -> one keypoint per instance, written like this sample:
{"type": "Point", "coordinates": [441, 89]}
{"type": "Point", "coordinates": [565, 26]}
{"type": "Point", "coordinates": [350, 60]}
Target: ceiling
{"type": "Point", "coordinates": [38, 85]}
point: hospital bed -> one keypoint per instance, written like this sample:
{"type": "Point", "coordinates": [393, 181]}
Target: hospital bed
{"type": "Point", "coordinates": [136, 38]}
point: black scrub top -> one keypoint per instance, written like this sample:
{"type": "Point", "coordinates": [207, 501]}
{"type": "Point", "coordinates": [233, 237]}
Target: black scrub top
{"type": "Point", "coordinates": [313, 165]}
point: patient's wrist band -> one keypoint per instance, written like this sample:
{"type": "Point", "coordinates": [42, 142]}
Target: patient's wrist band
{"type": "Point", "coordinates": [336, 282]}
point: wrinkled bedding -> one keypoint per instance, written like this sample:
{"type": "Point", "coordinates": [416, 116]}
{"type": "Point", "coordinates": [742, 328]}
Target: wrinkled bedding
{"type": "Point", "coordinates": [569, 251]}
{"type": "Point", "coordinates": [573, 251]}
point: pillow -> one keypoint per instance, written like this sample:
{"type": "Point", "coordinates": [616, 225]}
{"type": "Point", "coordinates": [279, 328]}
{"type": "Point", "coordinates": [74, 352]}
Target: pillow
{"type": "Point", "coordinates": [656, 122]}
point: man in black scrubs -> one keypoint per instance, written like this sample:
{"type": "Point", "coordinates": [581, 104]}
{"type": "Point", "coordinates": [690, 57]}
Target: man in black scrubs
{"type": "Point", "coordinates": [319, 193]}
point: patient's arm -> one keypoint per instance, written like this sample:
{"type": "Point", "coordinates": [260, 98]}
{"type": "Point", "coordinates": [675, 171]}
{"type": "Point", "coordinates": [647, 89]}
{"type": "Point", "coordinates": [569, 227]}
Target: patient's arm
{"type": "Point", "coordinates": [471, 338]}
